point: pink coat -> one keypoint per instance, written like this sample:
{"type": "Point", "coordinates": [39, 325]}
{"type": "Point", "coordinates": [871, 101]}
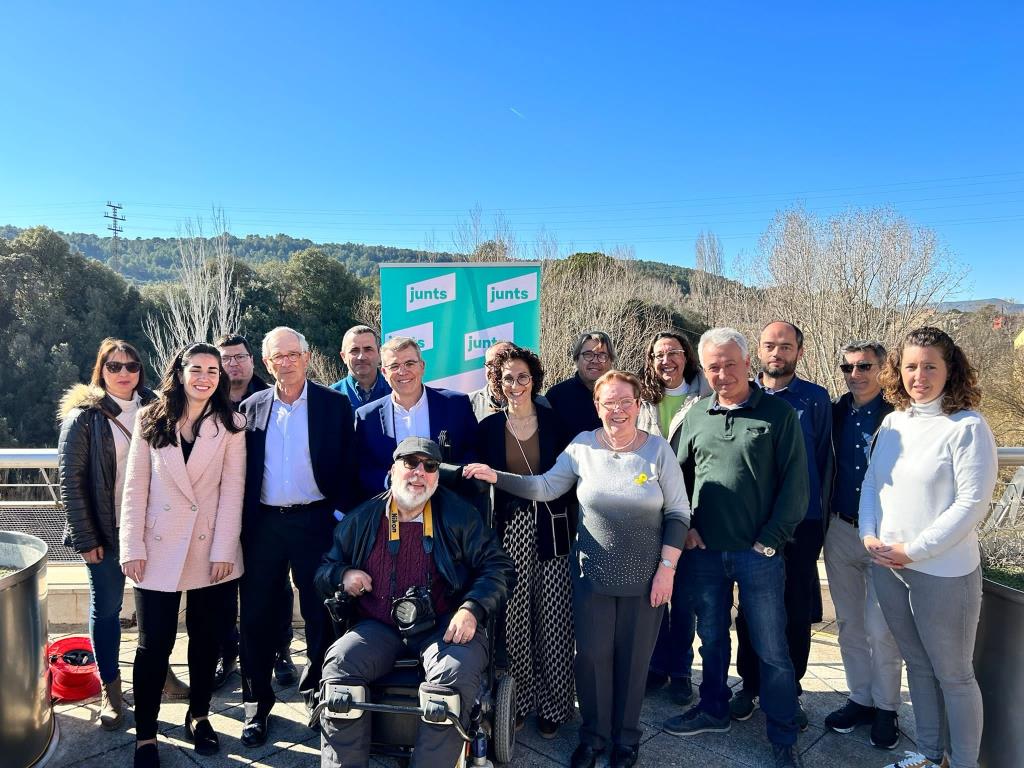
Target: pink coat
{"type": "Point", "coordinates": [181, 517]}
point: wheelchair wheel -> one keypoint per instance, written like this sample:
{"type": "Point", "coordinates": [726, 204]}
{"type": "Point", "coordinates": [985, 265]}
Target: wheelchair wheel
{"type": "Point", "coordinates": [504, 736]}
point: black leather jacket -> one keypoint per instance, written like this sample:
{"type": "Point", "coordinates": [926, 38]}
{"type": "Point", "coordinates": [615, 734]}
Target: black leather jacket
{"type": "Point", "coordinates": [479, 574]}
{"type": "Point", "coordinates": [87, 466]}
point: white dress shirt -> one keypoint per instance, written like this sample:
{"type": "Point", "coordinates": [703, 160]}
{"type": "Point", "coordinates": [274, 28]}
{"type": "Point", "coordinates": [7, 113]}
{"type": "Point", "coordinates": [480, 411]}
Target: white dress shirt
{"type": "Point", "coordinates": [414, 422]}
{"type": "Point", "coordinates": [287, 466]}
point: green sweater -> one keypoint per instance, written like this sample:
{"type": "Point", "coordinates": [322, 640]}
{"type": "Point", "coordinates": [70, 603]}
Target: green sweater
{"type": "Point", "coordinates": [745, 471]}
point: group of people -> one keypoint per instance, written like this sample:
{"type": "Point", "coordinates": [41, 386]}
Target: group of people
{"type": "Point", "coordinates": [626, 510]}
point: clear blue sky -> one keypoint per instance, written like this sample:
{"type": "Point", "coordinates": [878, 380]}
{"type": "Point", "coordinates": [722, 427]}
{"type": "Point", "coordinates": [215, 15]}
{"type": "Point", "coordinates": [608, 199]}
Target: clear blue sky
{"type": "Point", "coordinates": [632, 123]}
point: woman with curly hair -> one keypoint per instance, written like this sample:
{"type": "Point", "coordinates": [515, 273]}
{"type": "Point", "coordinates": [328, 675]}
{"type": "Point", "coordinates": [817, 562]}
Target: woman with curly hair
{"type": "Point", "coordinates": [526, 438]}
{"type": "Point", "coordinates": [181, 521]}
{"type": "Point", "coordinates": [928, 485]}
{"type": "Point", "coordinates": [671, 382]}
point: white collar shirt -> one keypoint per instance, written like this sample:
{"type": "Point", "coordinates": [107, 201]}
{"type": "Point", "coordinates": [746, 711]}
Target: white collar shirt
{"type": "Point", "coordinates": [414, 422]}
{"type": "Point", "coordinates": [287, 466]}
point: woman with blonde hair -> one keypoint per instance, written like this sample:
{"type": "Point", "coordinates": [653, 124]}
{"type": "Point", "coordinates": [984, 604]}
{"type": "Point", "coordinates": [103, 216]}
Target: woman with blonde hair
{"type": "Point", "coordinates": [928, 485]}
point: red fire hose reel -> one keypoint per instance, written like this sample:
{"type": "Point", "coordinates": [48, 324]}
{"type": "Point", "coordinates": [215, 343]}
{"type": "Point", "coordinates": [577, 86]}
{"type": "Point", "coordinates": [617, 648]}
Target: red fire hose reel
{"type": "Point", "coordinates": [73, 672]}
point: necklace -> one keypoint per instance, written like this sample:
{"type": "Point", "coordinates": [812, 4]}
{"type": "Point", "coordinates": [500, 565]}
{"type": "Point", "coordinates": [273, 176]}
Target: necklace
{"type": "Point", "coordinates": [617, 449]}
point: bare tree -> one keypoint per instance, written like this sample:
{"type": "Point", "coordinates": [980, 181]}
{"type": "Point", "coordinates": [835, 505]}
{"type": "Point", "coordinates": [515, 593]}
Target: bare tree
{"type": "Point", "coordinates": [203, 304]}
{"type": "Point", "coordinates": [482, 243]}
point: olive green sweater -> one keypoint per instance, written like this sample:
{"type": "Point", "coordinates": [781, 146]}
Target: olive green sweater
{"type": "Point", "coordinates": [745, 471]}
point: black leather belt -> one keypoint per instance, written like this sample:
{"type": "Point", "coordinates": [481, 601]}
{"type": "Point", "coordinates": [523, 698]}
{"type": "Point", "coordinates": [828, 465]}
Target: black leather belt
{"type": "Point", "coordinates": [848, 520]}
{"type": "Point", "coordinates": [293, 507]}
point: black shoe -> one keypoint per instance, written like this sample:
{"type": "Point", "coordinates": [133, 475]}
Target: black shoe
{"type": "Point", "coordinates": [584, 756]}
{"type": "Point", "coordinates": [655, 681]}
{"type": "Point", "coordinates": [849, 716]}
{"type": "Point", "coordinates": [146, 756]}
{"type": "Point", "coordinates": [223, 671]}
{"type": "Point", "coordinates": [786, 757]}
{"type": "Point", "coordinates": [623, 756]}
{"type": "Point", "coordinates": [284, 669]}
{"type": "Point", "coordinates": [885, 729]}
{"type": "Point", "coordinates": [548, 728]}
{"type": "Point", "coordinates": [520, 723]}
{"type": "Point", "coordinates": [801, 718]}
{"type": "Point", "coordinates": [742, 705]}
{"type": "Point", "coordinates": [681, 691]}
{"type": "Point", "coordinates": [255, 730]}
{"type": "Point", "coordinates": [202, 735]}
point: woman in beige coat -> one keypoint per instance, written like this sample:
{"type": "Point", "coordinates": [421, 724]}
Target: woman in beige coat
{"type": "Point", "coordinates": [181, 518]}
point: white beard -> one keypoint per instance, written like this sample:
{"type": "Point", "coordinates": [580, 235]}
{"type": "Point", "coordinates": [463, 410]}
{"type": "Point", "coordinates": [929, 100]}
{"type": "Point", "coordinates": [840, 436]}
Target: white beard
{"type": "Point", "coordinates": [410, 499]}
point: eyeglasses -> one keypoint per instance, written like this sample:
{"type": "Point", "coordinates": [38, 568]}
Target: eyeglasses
{"type": "Point", "coordinates": [115, 367]}
{"type": "Point", "coordinates": [668, 353]}
{"type": "Point", "coordinates": [862, 367]}
{"type": "Point", "coordinates": [601, 357]}
{"type": "Point", "coordinates": [291, 357]}
{"type": "Point", "coordinates": [522, 380]}
{"type": "Point", "coordinates": [237, 358]}
{"type": "Point", "coordinates": [408, 365]}
{"type": "Point", "coordinates": [429, 465]}
{"type": "Point", "coordinates": [623, 405]}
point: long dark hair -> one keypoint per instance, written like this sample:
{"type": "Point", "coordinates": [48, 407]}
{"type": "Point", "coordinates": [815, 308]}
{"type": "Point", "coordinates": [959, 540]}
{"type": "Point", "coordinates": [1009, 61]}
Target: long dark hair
{"type": "Point", "coordinates": [961, 392]}
{"type": "Point", "coordinates": [160, 419]}
{"type": "Point", "coordinates": [652, 388]}
{"type": "Point", "coordinates": [108, 347]}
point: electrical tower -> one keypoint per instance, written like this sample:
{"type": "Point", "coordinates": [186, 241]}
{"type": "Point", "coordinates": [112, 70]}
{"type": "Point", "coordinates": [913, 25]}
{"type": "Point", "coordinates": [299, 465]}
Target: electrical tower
{"type": "Point", "coordinates": [115, 227]}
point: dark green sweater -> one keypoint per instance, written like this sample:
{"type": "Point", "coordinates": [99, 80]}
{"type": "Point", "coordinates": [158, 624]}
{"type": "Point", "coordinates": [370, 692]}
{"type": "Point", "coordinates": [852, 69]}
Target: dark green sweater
{"type": "Point", "coordinates": [745, 471]}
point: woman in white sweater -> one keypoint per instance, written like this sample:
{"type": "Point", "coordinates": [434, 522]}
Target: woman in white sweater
{"type": "Point", "coordinates": [928, 485]}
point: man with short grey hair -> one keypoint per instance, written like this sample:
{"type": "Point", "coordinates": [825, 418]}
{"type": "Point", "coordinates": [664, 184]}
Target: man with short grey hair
{"type": "Point", "coordinates": [871, 658]}
{"type": "Point", "coordinates": [360, 351]}
{"type": "Point", "coordinates": [573, 399]}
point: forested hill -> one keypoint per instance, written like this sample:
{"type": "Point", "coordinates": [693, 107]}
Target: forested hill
{"type": "Point", "coordinates": [147, 260]}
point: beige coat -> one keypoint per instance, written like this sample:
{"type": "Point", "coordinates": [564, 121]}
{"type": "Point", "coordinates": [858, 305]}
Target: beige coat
{"type": "Point", "coordinates": [181, 517]}
{"type": "Point", "coordinates": [647, 419]}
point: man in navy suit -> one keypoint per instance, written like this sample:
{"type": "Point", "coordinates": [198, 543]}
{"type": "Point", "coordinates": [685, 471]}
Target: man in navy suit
{"type": "Point", "coordinates": [411, 410]}
{"type": "Point", "coordinates": [298, 475]}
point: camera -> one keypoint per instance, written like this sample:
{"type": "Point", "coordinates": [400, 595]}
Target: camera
{"type": "Point", "coordinates": [413, 612]}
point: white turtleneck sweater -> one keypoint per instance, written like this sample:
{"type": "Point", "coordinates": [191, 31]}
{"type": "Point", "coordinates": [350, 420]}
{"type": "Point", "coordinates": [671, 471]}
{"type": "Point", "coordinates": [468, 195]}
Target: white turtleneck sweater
{"type": "Point", "coordinates": [929, 484]}
{"type": "Point", "coordinates": [121, 444]}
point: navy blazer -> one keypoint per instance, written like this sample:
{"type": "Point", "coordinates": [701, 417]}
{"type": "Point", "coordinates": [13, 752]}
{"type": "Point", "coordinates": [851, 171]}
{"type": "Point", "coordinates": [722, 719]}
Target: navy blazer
{"type": "Point", "coordinates": [375, 434]}
{"type": "Point", "coordinates": [330, 446]}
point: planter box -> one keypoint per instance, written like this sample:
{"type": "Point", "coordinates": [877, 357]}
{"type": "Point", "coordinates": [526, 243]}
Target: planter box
{"type": "Point", "coordinates": [999, 666]}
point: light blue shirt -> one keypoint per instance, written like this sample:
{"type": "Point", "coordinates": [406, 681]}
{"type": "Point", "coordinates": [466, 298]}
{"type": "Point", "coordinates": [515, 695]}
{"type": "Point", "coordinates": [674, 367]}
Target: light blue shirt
{"type": "Point", "coordinates": [287, 467]}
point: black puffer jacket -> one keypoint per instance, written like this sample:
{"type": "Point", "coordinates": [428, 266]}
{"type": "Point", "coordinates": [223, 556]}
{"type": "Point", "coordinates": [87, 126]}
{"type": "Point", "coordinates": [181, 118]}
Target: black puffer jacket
{"type": "Point", "coordinates": [480, 576]}
{"type": "Point", "coordinates": [87, 466]}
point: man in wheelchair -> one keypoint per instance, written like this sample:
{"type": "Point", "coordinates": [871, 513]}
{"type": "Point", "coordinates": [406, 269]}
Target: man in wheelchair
{"type": "Point", "coordinates": [423, 572]}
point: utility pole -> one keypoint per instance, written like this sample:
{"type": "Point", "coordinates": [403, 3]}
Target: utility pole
{"type": "Point", "coordinates": [115, 227]}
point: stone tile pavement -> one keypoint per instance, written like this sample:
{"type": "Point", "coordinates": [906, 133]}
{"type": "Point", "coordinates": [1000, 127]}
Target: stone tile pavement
{"type": "Point", "coordinates": [293, 745]}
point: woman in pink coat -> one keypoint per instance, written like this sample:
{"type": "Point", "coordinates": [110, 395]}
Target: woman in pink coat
{"type": "Point", "coordinates": [180, 523]}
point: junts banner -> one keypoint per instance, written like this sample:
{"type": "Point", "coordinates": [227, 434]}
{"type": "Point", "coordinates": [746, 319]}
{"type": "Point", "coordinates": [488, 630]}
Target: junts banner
{"type": "Point", "coordinates": [456, 311]}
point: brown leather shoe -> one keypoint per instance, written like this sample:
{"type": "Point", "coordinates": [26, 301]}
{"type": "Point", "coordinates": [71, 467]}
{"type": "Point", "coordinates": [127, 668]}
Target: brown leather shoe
{"type": "Point", "coordinates": [173, 687]}
{"type": "Point", "coordinates": [111, 705]}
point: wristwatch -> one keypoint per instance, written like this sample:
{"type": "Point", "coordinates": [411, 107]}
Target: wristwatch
{"type": "Point", "coordinates": [667, 563]}
{"type": "Point", "coordinates": [762, 549]}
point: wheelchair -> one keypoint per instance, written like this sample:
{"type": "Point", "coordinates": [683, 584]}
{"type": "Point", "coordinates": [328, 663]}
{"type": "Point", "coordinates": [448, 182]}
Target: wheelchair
{"type": "Point", "coordinates": [397, 703]}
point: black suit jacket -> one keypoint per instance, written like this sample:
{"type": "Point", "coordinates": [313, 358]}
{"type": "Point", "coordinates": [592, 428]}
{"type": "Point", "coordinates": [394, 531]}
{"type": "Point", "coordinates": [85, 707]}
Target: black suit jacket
{"type": "Point", "coordinates": [330, 446]}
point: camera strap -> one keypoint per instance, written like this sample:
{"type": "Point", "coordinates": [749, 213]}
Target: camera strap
{"type": "Point", "coordinates": [395, 536]}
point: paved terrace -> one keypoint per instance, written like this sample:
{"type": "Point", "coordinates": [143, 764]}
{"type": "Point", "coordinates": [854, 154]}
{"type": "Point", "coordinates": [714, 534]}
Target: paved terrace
{"type": "Point", "coordinates": [83, 745]}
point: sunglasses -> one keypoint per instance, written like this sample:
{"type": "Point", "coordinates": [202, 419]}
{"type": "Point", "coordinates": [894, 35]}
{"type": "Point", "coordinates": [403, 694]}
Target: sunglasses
{"type": "Point", "coordinates": [429, 465]}
{"type": "Point", "coordinates": [862, 367]}
{"type": "Point", "coordinates": [115, 367]}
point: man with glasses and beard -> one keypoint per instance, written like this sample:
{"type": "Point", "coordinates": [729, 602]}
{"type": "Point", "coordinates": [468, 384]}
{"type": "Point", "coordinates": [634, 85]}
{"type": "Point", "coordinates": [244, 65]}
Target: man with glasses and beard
{"type": "Point", "coordinates": [420, 541]}
{"type": "Point", "coordinates": [779, 349]}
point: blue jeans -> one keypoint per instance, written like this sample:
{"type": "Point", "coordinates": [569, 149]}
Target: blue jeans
{"type": "Point", "coordinates": [106, 594]}
{"type": "Point", "coordinates": [710, 576]}
{"type": "Point", "coordinates": [673, 653]}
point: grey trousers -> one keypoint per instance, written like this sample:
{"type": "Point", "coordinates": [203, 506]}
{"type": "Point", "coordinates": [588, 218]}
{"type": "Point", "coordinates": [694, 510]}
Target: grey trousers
{"type": "Point", "coordinates": [368, 651]}
{"type": "Point", "coordinates": [935, 620]}
{"type": "Point", "coordinates": [870, 656]}
{"type": "Point", "coordinates": [615, 638]}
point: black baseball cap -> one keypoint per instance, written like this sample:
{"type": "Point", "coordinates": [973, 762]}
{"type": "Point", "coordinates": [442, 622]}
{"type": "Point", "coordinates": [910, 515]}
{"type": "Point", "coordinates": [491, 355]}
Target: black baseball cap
{"type": "Point", "coordinates": [417, 445]}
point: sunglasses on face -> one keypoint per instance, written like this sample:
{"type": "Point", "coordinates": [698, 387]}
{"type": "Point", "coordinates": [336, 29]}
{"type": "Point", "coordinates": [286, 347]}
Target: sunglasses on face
{"type": "Point", "coordinates": [862, 367]}
{"type": "Point", "coordinates": [115, 367]}
{"type": "Point", "coordinates": [429, 465]}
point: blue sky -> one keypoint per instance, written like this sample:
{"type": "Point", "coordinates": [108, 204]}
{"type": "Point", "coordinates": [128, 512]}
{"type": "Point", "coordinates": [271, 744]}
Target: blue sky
{"type": "Point", "coordinates": [603, 124]}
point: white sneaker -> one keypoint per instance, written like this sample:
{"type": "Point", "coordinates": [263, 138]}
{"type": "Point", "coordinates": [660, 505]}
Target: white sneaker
{"type": "Point", "coordinates": [914, 760]}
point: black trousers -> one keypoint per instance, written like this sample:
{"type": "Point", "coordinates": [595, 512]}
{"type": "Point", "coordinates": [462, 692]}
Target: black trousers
{"type": "Point", "coordinates": [207, 614]}
{"type": "Point", "coordinates": [803, 602]}
{"type": "Point", "coordinates": [272, 543]}
{"type": "Point", "coordinates": [229, 647]}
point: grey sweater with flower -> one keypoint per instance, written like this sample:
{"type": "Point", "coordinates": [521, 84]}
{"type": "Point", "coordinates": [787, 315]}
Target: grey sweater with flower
{"type": "Point", "coordinates": [630, 505]}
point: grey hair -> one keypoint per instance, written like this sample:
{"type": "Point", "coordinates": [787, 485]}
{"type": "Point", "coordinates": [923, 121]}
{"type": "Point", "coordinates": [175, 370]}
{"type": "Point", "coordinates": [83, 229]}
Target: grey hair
{"type": "Point", "coordinates": [863, 345]}
{"type": "Point", "coordinates": [719, 337]}
{"type": "Point", "coordinates": [303, 344]}
{"type": "Point", "coordinates": [357, 330]}
{"type": "Point", "coordinates": [601, 336]}
{"type": "Point", "coordinates": [397, 343]}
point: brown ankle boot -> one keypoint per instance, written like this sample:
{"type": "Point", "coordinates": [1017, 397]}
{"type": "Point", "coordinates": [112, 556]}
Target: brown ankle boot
{"type": "Point", "coordinates": [173, 687]}
{"type": "Point", "coordinates": [111, 705]}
